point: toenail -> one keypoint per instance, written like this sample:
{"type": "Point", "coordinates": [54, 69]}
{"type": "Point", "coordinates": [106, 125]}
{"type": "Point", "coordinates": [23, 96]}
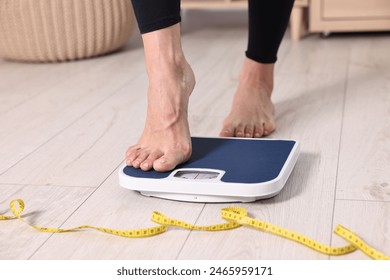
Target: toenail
{"type": "Point", "coordinates": [163, 161]}
{"type": "Point", "coordinates": [248, 135]}
{"type": "Point", "coordinates": [257, 134]}
{"type": "Point", "coordinates": [146, 165]}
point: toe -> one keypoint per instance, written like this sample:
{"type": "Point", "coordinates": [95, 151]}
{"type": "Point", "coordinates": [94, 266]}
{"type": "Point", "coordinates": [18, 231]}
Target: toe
{"type": "Point", "coordinates": [164, 163]}
{"type": "Point", "coordinates": [239, 131]}
{"type": "Point", "coordinates": [143, 155]}
{"type": "Point", "coordinates": [249, 130]}
{"type": "Point", "coordinates": [269, 127]}
{"type": "Point", "coordinates": [130, 157]}
{"type": "Point", "coordinates": [132, 150]}
{"type": "Point", "coordinates": [147, 164]}
{"type": "Point", "coordinates": [169, 161]}
{"type": "Point", "coordinates": [258, 131]}
{"type": "Point", "coordinates": [227, 131]}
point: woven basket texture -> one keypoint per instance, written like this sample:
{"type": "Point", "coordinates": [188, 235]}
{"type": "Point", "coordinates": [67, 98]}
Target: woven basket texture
{"type": "Point", "coordinates": [63, 30]}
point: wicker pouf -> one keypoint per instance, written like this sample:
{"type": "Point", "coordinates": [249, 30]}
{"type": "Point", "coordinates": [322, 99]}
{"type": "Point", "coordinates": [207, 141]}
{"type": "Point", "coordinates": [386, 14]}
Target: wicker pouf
{"type": "Point", "coordinates": [62, 30]}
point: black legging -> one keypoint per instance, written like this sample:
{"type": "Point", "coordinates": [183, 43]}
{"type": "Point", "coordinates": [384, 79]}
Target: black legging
{"type": "Point", "coordinates": [268, 20]}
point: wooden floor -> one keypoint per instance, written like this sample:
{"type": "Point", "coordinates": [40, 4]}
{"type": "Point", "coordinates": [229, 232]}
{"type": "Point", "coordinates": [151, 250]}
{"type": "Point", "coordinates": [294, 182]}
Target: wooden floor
{"type": "Point", "coordinates": [64, 129]}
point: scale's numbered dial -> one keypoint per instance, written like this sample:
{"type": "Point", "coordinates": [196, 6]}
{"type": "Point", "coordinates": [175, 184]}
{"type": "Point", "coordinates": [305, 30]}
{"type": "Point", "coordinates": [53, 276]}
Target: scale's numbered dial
{"type": "Point", "coordinates": [196, 175]}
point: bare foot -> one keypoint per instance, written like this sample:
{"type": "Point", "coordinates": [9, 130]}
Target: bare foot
{"type": "Point", "coordinates": [166, 140]}
{"type": "Point", "coordinates": [252, 113]}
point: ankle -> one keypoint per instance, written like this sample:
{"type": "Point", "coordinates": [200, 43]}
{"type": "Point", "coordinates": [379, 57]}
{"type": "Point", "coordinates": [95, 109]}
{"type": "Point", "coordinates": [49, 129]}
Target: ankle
{"type": "Point", "coordinates": [257, 75]}
{"type": "Point", "coordinates": [166, 67]}
{"type": "Point", "coordinates": [163, 50]}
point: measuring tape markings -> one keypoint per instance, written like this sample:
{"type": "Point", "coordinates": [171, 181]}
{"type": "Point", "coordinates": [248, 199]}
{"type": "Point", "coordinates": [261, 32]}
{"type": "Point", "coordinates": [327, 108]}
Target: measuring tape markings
{"type": "Point", "coordinates": [164, 220]}
{"type": "Point", "coordinates": [235, 217]}
{"type": "Point", "coordinates": [359, 243]}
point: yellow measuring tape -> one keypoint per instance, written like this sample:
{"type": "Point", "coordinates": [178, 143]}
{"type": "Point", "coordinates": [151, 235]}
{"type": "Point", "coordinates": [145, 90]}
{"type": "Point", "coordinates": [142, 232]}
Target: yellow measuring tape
{"type": "Point", "coordinates": [235, 217]}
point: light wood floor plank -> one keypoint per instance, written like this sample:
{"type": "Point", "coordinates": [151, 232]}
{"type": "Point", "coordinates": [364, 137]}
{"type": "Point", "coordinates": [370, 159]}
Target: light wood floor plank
{"type": "Point", "coordinates": [370, 220]}
{"type": "Point", "coordinates": [86, 152]}
{"type": "Point", "coordinates": [35, 122]}
{"type": "Point", "coordinates": [364, 169]}
{"type": "Point", "coordinates": [45, 206]}
{"type": "Point", "coordinates": [38, 78]}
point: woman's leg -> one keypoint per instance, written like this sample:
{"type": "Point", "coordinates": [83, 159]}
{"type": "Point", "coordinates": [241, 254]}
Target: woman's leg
{"type": "Point", "coordinates": [252, 113]}
{"type": "Point", "coordinates": [165, 141]}
{"type": "Point", "coordinates": [153, 15]}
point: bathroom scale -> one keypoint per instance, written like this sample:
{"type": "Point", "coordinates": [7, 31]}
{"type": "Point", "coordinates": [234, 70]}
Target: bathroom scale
{"type": "Point", "coordinates": [220, 170]}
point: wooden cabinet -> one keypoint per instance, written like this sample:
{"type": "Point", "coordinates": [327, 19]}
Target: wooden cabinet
{"type": "Point", "coordinates": [327, 16]}
{"type": "Point", "coordinates": [349, 15]}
